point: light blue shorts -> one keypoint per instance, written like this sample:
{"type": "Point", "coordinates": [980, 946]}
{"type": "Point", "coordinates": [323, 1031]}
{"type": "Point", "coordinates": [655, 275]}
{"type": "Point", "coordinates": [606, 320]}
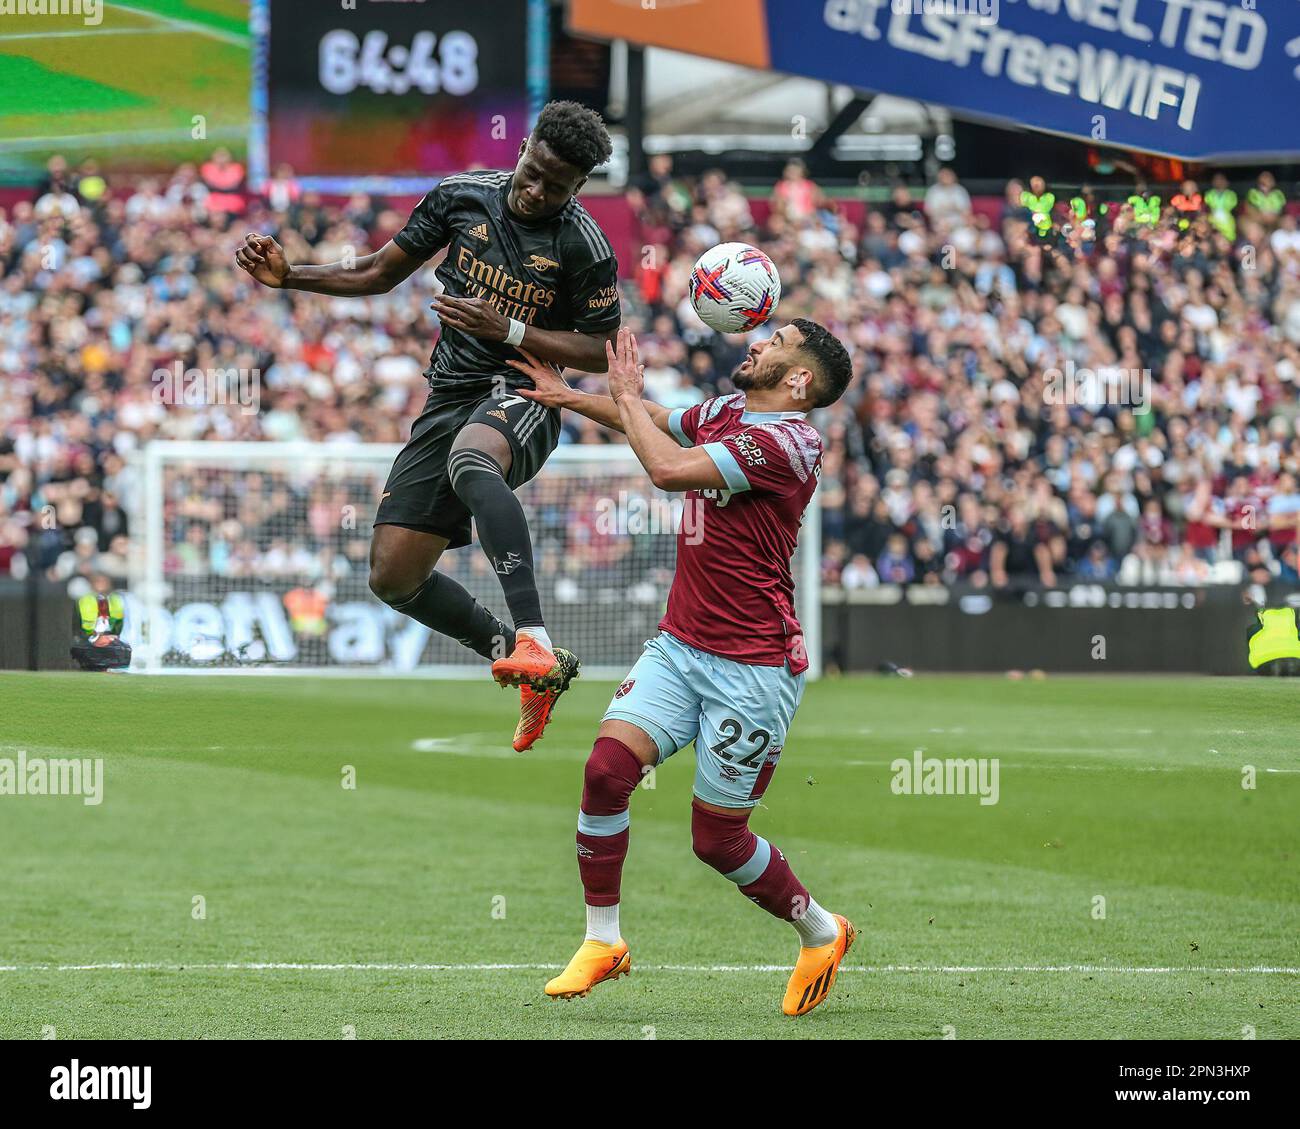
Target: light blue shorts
{"type": "Point", "coordinates": [737, 714]}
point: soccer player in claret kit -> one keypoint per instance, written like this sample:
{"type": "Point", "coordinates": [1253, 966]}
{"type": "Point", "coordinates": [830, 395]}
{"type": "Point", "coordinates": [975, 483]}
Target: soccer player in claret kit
{"type": "Point", "coordinates": [727, 669]}
{"type": "Point", "coordinates": [526, 266]}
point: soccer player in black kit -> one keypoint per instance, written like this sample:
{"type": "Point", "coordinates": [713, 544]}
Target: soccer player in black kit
{"type": "Point", "coordinates": [526, 267]}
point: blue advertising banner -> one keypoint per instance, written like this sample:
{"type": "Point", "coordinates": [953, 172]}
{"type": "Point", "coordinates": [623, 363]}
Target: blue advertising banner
{"type": "Point", "coordinates": [1195, 79]}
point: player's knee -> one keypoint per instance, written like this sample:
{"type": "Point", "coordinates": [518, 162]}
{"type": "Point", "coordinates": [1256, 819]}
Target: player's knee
{"type": "Point", "coordinates": [402, 561]}
{"type": "Point", "coordinates": [610, 776]}
{"type": "Point", "coordinates": [723, 842]}
{"type": "Point", "coordinates": [468, 468]}
{"type": "Point", "coordinates": [390, 586]}
{"type": "Point", "coordinates": [394, 580]}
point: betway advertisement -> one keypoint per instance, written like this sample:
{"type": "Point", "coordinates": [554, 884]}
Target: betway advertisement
{"type": "Point", "coordinates": [1196, 79]}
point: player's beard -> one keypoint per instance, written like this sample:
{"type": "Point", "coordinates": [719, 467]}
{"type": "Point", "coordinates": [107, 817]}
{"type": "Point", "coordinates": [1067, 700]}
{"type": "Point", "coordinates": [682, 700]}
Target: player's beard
{"type": "Point", "coordinates": [759, 377]}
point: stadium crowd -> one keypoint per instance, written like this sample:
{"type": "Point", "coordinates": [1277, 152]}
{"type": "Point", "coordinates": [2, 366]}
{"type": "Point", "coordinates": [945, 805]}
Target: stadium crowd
{"type": "Point", "coordinates": [1050, 390]}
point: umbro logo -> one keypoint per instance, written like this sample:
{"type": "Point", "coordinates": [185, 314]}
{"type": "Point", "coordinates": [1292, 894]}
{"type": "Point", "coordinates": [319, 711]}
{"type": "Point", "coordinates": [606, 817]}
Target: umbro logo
{"type": "Point", "coordinates": [480, 231]}
{"type": "Point", "coordinates": [585, 852]}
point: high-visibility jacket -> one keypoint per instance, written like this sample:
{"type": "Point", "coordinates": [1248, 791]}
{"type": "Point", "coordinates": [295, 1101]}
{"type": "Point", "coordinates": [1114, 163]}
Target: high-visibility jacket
{"type": "Point", "coordinates": [1223, 202]}
{"type": "Point", "coordinates": [1040, 208]}
{"type": "Point", "coordinates": [1269, 203]}
{"type": "Point", "coordinates": [1276, 637]}
{"type": "Point", "coordinates": [1146, 209]}
{"type": "Point", "coordinates": [101, 615]}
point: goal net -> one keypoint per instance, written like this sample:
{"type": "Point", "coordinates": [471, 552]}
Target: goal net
{"type": "Point", "coordinates": [253, 557]}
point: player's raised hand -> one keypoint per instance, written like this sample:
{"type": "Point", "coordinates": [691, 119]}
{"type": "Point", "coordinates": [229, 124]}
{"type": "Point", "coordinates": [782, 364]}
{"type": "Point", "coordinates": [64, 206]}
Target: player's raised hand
{"type": "Point", "coordinates": [549, 387]}
{"type": "Point", "coordinates": [264, 259]}
{"type": "Point", "coordinates": [625, 368]}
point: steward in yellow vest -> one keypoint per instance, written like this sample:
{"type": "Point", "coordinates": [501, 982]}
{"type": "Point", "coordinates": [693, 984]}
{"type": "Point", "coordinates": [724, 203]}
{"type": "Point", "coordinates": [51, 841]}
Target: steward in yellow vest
{"type": "Point", "coordinates": [99, 646]}
{"type": "Point", "coordinates": [1275, 642]}
{"type": "Point", "coordinates": [92, 608]}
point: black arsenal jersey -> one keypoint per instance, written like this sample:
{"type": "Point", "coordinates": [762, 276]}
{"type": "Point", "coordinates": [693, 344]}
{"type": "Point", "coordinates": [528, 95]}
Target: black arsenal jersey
{"type": "Point", "coordinates": [555, 273]}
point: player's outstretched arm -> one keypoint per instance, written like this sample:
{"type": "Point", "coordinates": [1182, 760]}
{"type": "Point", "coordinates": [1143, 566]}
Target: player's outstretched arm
{"type": "Point", "coordinates": [479, 318]}
{"type": "Point", "coordinates": [670, 466]}
{"type": "Point", "coordinates": [550, 388]}
{"type": "Point", "coordinates": [264, 259]}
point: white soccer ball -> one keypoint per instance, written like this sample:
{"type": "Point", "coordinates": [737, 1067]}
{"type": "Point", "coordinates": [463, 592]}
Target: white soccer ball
{"type": "Point", "coordinates": [734, 287]}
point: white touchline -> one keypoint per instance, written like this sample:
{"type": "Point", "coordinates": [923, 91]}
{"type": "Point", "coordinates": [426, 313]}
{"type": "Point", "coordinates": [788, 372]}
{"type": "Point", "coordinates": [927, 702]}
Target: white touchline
{"type": "Point", "coordinates": [118, 137]}
{"type": "Point", "coordinates": [80, 32]}
{"type": "Point", "coordinates": [177, 24]}
{"type": "Point", "coordinates": [295, 966]}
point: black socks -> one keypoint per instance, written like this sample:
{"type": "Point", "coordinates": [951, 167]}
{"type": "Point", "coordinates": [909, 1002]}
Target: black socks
{"type": "Point", "coordinates": [502, 530]}
{"type": "Point", "coordinates": [445, 606]}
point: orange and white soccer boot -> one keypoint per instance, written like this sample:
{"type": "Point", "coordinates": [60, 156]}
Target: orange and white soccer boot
{"type": "Point", "coordinates": [813, 975]}
{"type": "Point", "coordinates": [593, 963]}
{"type": "Point", "coordinates": [529, 664]}
{"type": "Point", "coordinates": [536, 707]}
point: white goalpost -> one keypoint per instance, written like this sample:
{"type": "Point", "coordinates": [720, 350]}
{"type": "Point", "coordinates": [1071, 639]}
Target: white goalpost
{"type": "Point", "coordinates": [252, 557]}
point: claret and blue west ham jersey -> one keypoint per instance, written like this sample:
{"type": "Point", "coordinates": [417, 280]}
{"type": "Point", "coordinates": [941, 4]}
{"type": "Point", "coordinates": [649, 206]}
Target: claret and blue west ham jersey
{"type": "Point", "coordinates": [733, 593]}
{"type": "Point", "coordinates": [726, 671]}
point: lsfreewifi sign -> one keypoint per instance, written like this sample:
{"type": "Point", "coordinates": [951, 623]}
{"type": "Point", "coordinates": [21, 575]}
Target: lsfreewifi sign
{"type": "Point", "coordinates": [1191, 78]}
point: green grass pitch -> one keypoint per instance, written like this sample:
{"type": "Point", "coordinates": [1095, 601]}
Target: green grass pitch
{"type": "Point", "coordinates": [976, 921]}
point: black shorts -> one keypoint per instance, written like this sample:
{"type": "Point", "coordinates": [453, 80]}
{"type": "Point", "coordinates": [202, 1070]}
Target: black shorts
{"type": "Point", "coordinates": [418, 493]}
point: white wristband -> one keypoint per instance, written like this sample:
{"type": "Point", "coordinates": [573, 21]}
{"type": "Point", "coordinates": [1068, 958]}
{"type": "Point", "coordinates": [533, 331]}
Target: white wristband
{"type": "Point", "coordinates": [515, 336]}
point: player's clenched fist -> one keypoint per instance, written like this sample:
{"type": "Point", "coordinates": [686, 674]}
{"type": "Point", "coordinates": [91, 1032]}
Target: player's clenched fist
{"type": "Point", "coordinates": [264, 259]}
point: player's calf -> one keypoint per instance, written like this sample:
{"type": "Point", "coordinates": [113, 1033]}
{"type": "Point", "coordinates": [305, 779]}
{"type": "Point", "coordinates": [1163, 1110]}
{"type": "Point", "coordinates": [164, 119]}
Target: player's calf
{"type": "Point", "coordinates": [609, 778]}
{"type": "Point", "coordinates": [478, 478]}
{"type": "Point", "coordinates": [723, 840]}
{"type": "Point", "coordinates": [477, 468]}
{"type": "Point", "coordinates": [445, 606]}
{"type": "Point", "coordinates": [402, 576]}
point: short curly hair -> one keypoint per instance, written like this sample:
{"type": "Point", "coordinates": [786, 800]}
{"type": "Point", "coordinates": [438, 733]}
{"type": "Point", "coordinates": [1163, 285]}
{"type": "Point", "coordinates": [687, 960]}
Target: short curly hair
{"type": "Point", "coordinates": [832, 367]}
{"type": "Point", "coordinates": [574, 134]}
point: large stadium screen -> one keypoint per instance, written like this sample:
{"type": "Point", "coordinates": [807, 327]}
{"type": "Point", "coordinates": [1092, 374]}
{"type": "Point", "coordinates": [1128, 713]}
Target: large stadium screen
{"type": "Point", "coordinates": [395, 91]}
